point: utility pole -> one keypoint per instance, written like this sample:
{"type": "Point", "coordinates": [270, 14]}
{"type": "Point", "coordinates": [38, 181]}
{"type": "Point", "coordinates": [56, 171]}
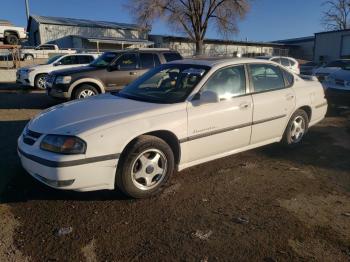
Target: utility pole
{"type": "Point", "coordinates": [27, 8]}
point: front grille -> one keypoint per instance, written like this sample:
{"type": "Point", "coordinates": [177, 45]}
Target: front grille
{"type": "Point", "coordinates": [340, 82]}
{"type": "Point", "coordinates": [30, 137]}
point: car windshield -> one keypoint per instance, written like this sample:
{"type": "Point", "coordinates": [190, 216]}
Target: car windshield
{"type": "Point", "coordinates": [53, 59]}
{"type": "Point", "coordinates": [167, 84]}
{"type": "Point", "coordinates": [104, 60]}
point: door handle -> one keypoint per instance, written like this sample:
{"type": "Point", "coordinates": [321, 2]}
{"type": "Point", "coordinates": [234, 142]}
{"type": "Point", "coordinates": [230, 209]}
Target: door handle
{"type": "Point", "coordinates": [289, 97]}
{"type": "Point", "coordinates": [132, 73]}
{"type": "Point", "coordinates": [244, 105]}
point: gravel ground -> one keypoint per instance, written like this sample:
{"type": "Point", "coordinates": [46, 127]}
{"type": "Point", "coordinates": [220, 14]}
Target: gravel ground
{"type": "Point", "coordinates": [268, 204]}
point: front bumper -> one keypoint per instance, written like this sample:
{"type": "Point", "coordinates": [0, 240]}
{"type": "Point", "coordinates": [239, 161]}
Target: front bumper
{"type": "Point", "coordinates": [338, 97]}
{"type": "Point", "coordinates": [23, 79]}
{"type": "Point", "coordinates": [57, 90]}
{"type": "Point", "coordinates": [78, 175]}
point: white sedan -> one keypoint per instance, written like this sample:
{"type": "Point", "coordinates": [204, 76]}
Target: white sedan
{"type": "Point", "coordinates": [178, 115]}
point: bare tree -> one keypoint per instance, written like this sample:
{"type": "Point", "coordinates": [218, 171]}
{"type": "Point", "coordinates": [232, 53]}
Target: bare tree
{"type": "Point", "coordinates": [337, 15]}
{"type": "Point", "coordinates": [192, 17]}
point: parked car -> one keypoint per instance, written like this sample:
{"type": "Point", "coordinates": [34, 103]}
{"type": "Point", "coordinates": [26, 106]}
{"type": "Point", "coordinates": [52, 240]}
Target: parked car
{"type": "Point", "coordinates": [322, 72]}
{"type": "Point", "coordinates": [287, 62]}
{"type": "Point", "coordinates": [337, 87]}
{"type": "Point", "coordinates": [175, 116]}
{"type": "Point", "coordinates": [43, 52]}
{"type": "Point", "coordinates": [11, 34]}
{"type": "Point", "coordinates": [309, 67]}
{"type": "Point", "coordinates": [35, 76]}
{"type": "Point", "coordinates": [111, 71]}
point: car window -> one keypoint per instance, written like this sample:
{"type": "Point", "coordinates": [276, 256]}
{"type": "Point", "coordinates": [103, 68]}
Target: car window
{"type": "Point", "coordinates": [156, 60]}
{"type": "Point", "coordinates": [172, 56]}
{"type": "Point", "coordinates": [285, 62]}
{"type": "Point", "coordinates": [228, 82]}
{"type": "Point", "coordinates": [69, 60]}
{"type": "Point", "coordinates": [288, 77]}
{"type": "Point", "coordinates": [147, 60]}
{"type": "Point", "coordinates": [276, 60]}
{"type": "Point", "coordinates": [104, 60]}
{"type": "Point", "coordinates": [266, 77]}
{"type": "Point", "coordinates": [85, 59]}
{"type": "Point", "coordinates": [127, 61]}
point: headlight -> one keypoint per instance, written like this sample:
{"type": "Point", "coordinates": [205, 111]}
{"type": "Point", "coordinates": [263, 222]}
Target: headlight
{"type": "Point", "coordinates": [63, 144]}
{"type": "Point", "coordinates": [347, 84]}
{"type": "Point", "coordinates": [63, 79]}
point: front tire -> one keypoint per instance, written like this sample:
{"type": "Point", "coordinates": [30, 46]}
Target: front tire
{"type": "Point", "coordinates": [39, 81]}
{"type": "Point", "coordinates": [145, 167]}
{"type": "Point", "coordinates": [296, 129]}
{"type": "Point", "coordinates": [85, 91]}
{"type": "Point", "coordinates": [12, 39]}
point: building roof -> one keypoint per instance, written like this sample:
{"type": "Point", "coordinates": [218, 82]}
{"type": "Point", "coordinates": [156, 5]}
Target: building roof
{"type": "Point", "coordinates": [296, 40]}
{"type": "Point", "coordinates": [114, 40]}
{"type": "Point", "coordinates": [81, 22]}
{"type": "Point", "coordinates": [333, 31]}
{"type": "Point", "coordinates": [219, 41]}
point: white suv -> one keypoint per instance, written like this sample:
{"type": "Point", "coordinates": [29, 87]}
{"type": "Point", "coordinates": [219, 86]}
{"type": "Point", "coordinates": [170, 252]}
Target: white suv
{"type": "Point", "coordinates": [175, 116]}
{"type": "Point", "coordinates": [287, 62]}
{"type": "Point", "coordinates": [34, 76]}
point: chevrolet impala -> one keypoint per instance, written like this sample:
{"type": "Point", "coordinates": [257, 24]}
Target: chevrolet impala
{"type": "Point", "coordinates": [175, 116]}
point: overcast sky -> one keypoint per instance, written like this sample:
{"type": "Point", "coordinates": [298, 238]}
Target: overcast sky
{"type": "Point", "coordinates": [268, 19]}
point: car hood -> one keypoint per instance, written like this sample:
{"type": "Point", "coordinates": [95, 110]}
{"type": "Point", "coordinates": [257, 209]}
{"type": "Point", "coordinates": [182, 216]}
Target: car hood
{"type": "Point", "coordinates": [342, 75]}
{"type": "Point", "coordinates": [80, 69]}
{"type": "Point", "coordinates": [91, 114]}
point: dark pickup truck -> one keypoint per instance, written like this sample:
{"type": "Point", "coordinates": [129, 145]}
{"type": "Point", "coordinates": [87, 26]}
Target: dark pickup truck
{"type": "Point", "coordinates": [111, 71]}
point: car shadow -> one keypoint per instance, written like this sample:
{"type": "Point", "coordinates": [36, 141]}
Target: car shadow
{"type": "Point", "coordinates": [26, 100]}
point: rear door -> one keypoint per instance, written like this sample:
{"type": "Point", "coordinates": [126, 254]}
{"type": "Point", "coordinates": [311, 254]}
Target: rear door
{"type": "Point", "coordinates": [274, 101]}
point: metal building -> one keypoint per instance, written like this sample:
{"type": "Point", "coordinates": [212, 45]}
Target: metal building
{"type": "Point", "coordinates": [332, 45]}
{"type": "Point", "coordinates": [85, 34]}
{"type": "Point", "coordinates": [303, 47]}
{"type": "Point", "coordinates": [218, 47]}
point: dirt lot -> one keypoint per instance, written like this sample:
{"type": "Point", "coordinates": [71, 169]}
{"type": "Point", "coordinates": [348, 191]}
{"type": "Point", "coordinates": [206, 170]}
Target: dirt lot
{"type": "Point", "coordinates": [269, 204]}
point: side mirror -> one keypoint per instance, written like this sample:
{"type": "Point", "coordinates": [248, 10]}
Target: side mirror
{"type": "Point", "coordinates": [208, 97]}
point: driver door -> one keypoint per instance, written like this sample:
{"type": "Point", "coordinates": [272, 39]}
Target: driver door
{"type": "Point", "coordinates": [221, 127]}
{"type": "Point", "coordinates": [125, 69]}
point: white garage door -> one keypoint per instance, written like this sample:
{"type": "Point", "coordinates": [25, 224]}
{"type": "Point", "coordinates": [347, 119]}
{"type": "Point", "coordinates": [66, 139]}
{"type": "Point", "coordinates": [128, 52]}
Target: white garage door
{"type": "Point", "coordinates": [345, 45]}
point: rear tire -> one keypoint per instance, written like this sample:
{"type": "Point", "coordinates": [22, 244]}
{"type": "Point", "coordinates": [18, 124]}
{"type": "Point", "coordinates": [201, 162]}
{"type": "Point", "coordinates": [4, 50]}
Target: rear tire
{"type": "Point", "coordinates": [85, 91]}
{"type": "Point", "coordinates": [145, 167]}
{"type": "Point", "coordinates": [39, 81]}
{"type": "Point", "coordinates": [12, 39]}
{"type": "Point", "coordinates": [296, 129]}
{"type": "Point", "coordinates": [28, 58]}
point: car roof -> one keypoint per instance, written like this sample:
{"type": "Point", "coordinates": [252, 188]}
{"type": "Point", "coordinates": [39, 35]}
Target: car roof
{"type": "Point", "coordinates": [211, 62]}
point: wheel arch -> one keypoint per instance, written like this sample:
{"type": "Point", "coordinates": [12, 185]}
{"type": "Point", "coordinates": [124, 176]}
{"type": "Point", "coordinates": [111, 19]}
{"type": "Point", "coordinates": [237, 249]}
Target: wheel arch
{"type": "Point", "coordinates": [88, 81]}
{"type": "Point", "coordinates": [307, 109]}
{"type": "Point", "coordinates": [169, 137]}
{"type": "Point", "coordinates": [11, 32]}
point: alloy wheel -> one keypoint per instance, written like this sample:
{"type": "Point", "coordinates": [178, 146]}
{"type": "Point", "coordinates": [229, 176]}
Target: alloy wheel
{"type": "Point", "coordinates": [86, 93]}
{"type": "Point", "coordinates": [297, 129]}
{"type": "Point", "coordinates": [149, 169]}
